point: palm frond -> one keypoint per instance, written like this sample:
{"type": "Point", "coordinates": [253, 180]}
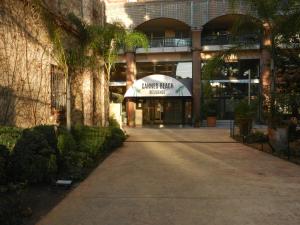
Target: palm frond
{"type": "Point", "coordinates": [136, 39]}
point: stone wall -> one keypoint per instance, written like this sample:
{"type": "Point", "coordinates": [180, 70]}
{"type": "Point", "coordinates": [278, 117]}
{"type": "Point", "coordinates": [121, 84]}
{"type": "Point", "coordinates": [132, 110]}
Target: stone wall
{"type": "Point", "coordinates": [24, 66]}
{"type": "Point", "coordinates": [25, 61]}
{"type": "Point", "coordinates": [92, 11]}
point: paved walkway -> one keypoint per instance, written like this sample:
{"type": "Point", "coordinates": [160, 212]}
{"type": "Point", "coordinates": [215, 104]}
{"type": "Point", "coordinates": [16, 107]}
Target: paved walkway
{"type": "Point", "coordinates": [184, 177]}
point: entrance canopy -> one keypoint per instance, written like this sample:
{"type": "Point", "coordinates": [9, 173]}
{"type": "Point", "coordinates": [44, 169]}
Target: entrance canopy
{"type": "Point", "coordinates": [158, 85]}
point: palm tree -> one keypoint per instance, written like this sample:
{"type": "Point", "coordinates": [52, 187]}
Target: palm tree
{"type": "Point", "coordinates": [106, 43]}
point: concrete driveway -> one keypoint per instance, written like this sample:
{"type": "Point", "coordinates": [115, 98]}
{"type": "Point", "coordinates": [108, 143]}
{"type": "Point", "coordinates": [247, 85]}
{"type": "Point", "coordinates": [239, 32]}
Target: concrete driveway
{"type": "Point", "coordinates": [184, 177]}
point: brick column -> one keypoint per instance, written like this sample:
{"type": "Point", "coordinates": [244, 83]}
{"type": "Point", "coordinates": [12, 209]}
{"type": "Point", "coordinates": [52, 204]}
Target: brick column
{"type": "Point", "coordinates": [265, 62]}
{"type": "Point", "coordinates": [130, 78]}
{"type": "Point", "coordinates": [196, 50]}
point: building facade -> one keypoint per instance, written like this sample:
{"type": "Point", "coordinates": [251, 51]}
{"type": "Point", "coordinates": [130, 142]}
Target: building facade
{"type": "Point", "coordinates": [32, 86]}
{"type": "Point", "coordinates": [183, 35]}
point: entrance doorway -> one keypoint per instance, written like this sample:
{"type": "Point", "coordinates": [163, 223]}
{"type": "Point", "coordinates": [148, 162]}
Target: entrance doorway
{"type": "Point", "coordinates": [165, 110]}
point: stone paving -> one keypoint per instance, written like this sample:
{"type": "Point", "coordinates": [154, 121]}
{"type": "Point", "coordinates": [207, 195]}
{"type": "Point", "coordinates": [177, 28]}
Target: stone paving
{"type": "Point", "coordinates": [184, 177]}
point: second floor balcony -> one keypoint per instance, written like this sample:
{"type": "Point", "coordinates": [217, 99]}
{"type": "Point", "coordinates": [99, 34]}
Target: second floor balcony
{"type": "Point", "coordinates": [168, 45]}
{"type": "Point", "coordinates": [214, 42]}
{"type": "Point", "coordinates": [169, 42]}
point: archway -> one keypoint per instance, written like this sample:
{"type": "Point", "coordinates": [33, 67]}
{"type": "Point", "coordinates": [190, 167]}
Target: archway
{"type": "Point", "coordinates": [166, 32]}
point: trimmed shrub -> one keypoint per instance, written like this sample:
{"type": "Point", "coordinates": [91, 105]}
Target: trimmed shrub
{"type": "Point", "coordinates": [49, 133]}
{"type": "Point", "coordinates": [90, 139]}
{"type": "Point", "coordinates": [256, 137]}
{"type": "Point", "coordinates": [113, 122]}
{"type": "Point", "coordinates": [70, 159]}
{"type": "Point", "coordinates": [32, 159]}
{"type": "Point", "coordinates": [9, 136]}
{"type": "Point", "coordinates": [4, 153]}
{"type": "Point", "coordinates": [116, 138]}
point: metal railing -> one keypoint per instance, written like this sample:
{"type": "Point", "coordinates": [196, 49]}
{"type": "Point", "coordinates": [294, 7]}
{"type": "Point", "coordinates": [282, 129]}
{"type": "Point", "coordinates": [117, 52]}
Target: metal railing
{"type": "Point", "coordinates": [169, 42]}
{"type": "Point", "coordinates": [230, 39]}
{"type": "Point", "coordinates": [283, 142]}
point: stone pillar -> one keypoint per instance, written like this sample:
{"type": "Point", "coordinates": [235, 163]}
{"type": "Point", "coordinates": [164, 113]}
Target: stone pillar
{"type": "Point", "coordinates": [196, 57]}
{"type": "Point", "coordinates": [87, 95]}
{"type": "Point", "coordinates": [87, 11]}
{"type": "Point", "coordinates": [130, 78]}
{"type": "Point", "coordinates": [265, 63]}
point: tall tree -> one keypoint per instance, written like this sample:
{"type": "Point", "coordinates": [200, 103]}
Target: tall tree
{"type": "Point", "coordinates": [107, 42]}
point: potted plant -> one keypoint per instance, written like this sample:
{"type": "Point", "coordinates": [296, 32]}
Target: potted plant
{"type": "Point", "coordinates": [209, 106]}
{"type": "Point", "coordinates": [211, 112]}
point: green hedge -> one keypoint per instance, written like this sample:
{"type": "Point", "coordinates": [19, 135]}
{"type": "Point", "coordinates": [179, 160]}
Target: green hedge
{"type": "Point", "coordinates": [44, 153]}
{"type": "Point", "coordinates": [9, 136]}
{"type": "Point", "coordinates": [90, 139]}
{"type": "Point", "coordinates": [4, 154]}
{"type": "Point", "coordinates": [32, 159]}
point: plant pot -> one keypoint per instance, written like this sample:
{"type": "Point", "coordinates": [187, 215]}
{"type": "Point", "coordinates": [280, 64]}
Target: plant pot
{"type": "Point", "coordinates": [211, 121]}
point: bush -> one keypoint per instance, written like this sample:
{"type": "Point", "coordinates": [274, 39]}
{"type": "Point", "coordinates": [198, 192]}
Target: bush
{"type": "Point", "coordinates": [49, 133]}
{"type": "Point", "coordinates": [70, 159]}
{"type": "Point", "coordinates": [257, 137]}
{"type": "Point", "coordinates": [90, 139]}
{"type": "Point", "coordinates": [116, 137]}
{"type": "Point", "coordinates": [9, 136]}
{"type": "Point", "coordinates": [32, 159]}
{"type": "Point", "coordinates": [113, 122]}
{"type": "Point", "coordinates": [4, 153]}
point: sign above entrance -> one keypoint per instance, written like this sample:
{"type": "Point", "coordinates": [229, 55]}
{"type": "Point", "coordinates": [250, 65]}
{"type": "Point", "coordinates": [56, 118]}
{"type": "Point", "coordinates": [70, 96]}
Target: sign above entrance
{"type": "Point", "coordinates": [157, 86]}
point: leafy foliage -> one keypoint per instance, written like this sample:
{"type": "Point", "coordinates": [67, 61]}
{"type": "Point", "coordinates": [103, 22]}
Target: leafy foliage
{"type": "Point", "coordinates": [244, 110]}
{"type": "Point", "coordinates": [9, 136]}
{"type": "Point", "coordinates": [256, 137]}
{"type": "Point", "coordinates": [70, 159]}
{"type": "Point", "coordinates": [106, 42]}
{"type": "Point", "coordinates": [4, 153]}
{"type": "Point", "coordinates": [49, 133]}
{"type": "Point", "coordinates": [90, 139]}
{"type": "Point", "coordinates": [116, 138]}
{"type": "Point", "coordinates": [32, 159]}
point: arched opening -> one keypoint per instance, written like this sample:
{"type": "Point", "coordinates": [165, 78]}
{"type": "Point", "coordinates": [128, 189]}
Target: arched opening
{"type": "Point", "coordinates": [239, 76]}
{"type": "Point", "coordinates": [219, 31]}
{"type": "Point", "coordinates": [166, 32]}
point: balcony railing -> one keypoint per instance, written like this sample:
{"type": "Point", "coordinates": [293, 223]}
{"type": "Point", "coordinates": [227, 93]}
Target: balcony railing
{"type": "Point", "coordinates": [169, 42]}
{"type": "Point", "coordinates": [230, 40]}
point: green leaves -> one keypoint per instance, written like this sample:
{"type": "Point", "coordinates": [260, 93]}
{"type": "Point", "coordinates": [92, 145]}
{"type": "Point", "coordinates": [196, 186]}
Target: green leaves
{"type": "Point", "coordinates": [135, 39]}
{"type": "Point", "coordinates": [213, 66]}
{"type": "Point", "coordinates": [107, 41]}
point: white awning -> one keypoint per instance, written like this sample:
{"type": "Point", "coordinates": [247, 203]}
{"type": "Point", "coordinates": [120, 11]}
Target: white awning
{"type": "Point", "coordinates": [158, 85]}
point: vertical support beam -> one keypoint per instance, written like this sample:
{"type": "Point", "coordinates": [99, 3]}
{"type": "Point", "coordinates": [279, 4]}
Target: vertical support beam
{"type": "Point", "coordinates": [130, 78]}
{"type": "Point", "coordinates": [87, 95]}
{"type": "Point", "coordinates": [265, 63]}
{"type": "Point", "coordinates": [196, 50]}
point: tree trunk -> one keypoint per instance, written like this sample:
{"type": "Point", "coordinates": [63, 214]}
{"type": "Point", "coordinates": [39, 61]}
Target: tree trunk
{"type": "Point", "coordinates": [102, 98]}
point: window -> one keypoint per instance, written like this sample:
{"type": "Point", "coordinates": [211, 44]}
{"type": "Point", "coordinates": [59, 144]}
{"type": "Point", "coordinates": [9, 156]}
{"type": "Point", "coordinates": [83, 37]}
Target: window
{"type": "Point", "coordinates": [58, 89]}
